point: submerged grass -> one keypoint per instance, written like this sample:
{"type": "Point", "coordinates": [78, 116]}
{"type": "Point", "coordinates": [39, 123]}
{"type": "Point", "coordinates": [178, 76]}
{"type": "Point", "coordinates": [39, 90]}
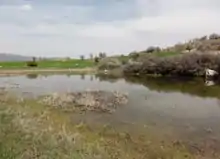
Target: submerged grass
{"type": "Point", "coordinates": [31, 130]}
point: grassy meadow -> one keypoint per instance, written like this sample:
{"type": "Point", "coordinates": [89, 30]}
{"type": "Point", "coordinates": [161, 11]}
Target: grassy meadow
{"type": "Point", "coordinates": [72, 63]}
{"type": "Point", "coordinates": [49, 64]}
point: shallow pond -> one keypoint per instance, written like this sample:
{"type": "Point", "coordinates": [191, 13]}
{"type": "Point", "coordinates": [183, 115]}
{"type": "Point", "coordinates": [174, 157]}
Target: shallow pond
{"type": "Point", "coordinates": [187, 109]}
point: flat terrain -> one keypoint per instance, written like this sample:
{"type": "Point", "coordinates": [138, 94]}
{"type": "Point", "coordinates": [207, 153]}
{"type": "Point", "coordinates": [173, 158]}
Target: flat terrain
{"type": "Point", "coordinates": [49, 64]}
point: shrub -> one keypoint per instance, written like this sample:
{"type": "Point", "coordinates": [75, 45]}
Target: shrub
{"type": "Point", "coordinates": [123, 61]}
{"type": "Point", "coordinates": [186, 65]}
{"type": "Point", "coordinates": [134, 55]}
{"type": "Point", "coordinates": [152, 49]}
{"type": "Point", "coordinates": [203, 38]}
{"type": "Point", "coordinates": [189, 47]}
{"type": "Point", "coordinates": [109, 63]}
{"type": "Point", "coordinates": [32, 64]}
{"type": "Point", "coordinates": [214, 36]}
{"type": "Point", "coordinates": [132, 69]}
{"type": "Point", "coordinates": [96, 60]}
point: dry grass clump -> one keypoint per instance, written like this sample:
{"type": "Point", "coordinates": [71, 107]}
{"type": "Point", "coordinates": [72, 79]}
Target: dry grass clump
{"type": "Point", "coordinates": [100, 101]}
{"type": "Point", "coordinates": [109, 63]}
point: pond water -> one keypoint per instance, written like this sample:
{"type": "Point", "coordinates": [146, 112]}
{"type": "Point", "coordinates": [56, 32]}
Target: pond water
{"type": "Point", "coordinates": [188, 108]}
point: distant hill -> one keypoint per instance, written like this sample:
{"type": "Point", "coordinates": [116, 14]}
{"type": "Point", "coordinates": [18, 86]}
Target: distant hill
{"type": "Point", "coordinates": [13, 57]}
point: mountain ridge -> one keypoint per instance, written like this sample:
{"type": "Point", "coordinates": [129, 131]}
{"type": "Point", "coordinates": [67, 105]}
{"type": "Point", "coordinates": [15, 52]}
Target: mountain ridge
{"type": "Point", "coordinates": [13, 57]}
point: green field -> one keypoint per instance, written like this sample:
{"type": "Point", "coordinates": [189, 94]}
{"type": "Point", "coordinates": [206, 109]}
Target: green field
{"type": "Point", "coordinates": [74, 63]}
{"type": "Point", "coordinates": [166, 54]}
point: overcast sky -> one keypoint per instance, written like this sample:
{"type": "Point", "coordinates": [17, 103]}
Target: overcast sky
{"type": "Point", "coordinates": [75, 27]}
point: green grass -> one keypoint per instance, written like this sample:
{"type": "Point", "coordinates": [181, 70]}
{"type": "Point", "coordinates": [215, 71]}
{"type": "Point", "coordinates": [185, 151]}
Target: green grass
{"type": "Point", "coordinates": [73, 63]}
{"type": "Point", "coordinates": [157, 54]}
{"type": "Point", "coordinates": [49, 64]}
{"type": "Point", "coordinates": [166, 54]}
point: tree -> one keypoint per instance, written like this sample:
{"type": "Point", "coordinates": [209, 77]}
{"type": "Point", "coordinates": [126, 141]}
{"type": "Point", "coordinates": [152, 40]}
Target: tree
{"type": "Point", "coordinates": [152, 49]}
{"type": "Point", "coordinates": [82, 57]}
{"type": "Point", "coordinates": [102, 55]}
{"type": "Point", "coordinates": [96, 59]}
{"type": "Point", "coordinates": [32, 63]}
{"type": "Point", "coordinates": [91, 56]}
{"type": "Point", "coordinates": [189, 47]}
{"type": "Point", "coordinates": [214, 36]}
{"type": "Point", "coordinates": [203, 38]}
{"type": "Point", "coordinates": [34, 59]}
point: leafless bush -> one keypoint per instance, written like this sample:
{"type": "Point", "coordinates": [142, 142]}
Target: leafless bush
{"type": "Point", "coordinates": [186, 65]}
{"type": "Point", "coordinates": [109, 63]}
{"type": "Point", "coordinates": [134, 55]}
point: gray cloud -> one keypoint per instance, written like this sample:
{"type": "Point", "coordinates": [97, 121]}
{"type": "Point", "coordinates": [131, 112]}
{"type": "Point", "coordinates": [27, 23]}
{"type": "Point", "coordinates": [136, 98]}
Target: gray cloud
{"type": "Point", "coordinates": [71, 28]}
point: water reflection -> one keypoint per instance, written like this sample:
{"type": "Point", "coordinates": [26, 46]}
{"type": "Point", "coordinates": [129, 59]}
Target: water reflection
{"type": "Point", "coordinates": [108, 77]}
{"type": "Point", "coordinates": [192, 86]}
{"type": "Point", "coordinates": [32, 76]}
{"type": "Point", "coordinates": [82, 76]}
{"type": "Point", "coordinates": [91, 77]}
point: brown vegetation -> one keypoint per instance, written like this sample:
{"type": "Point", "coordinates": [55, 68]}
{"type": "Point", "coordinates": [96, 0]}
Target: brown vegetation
{"type": "Point", "coordinates": [186, 65]}
{"type": "Point", "coordinates": [204, 44]}
{"type": "Point", "coordinates": [88, 100]}
{"type": "Point", "coordinates": [109, 63]}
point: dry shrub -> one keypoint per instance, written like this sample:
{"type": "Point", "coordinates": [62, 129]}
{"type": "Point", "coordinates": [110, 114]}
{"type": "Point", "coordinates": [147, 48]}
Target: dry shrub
{"type": "Point", "coordinates": [88, 100]}
{"type": "Point", "coordinates": [109, 64]}
{"type": "Point", "coordinates": [186, 65]}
